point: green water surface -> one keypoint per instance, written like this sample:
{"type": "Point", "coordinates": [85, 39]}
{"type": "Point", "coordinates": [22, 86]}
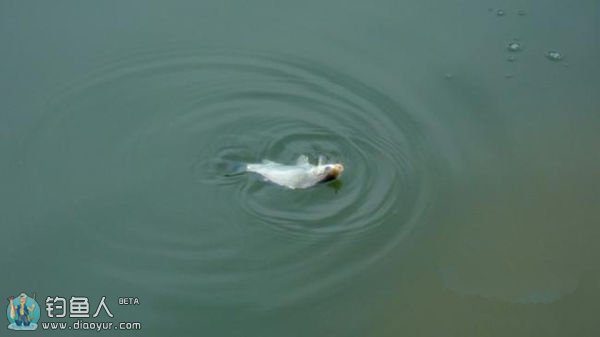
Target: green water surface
{"type": "Point", "coordinates": [469, 205]}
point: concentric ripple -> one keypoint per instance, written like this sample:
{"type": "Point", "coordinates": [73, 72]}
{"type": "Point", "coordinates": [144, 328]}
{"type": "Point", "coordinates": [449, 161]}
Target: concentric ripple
{"type": "Point", "coordinates": [298, 108]}
{"type": "Point", "coordinates": [159, 130]}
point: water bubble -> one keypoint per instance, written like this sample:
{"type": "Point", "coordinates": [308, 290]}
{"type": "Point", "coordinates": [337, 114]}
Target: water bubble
{"type": "Point", "coordinates": [553, 55]}
{"type": "Point", "coordinates": [514, 46]}
{"type": "Point", "coordinates": [511, 58]}
{"type": "Point", "coordinates": [448, 76]}
{"type": "Point", "coordinates": [521, 12]}
{"type": "Point", "coordinates": [500, 12]}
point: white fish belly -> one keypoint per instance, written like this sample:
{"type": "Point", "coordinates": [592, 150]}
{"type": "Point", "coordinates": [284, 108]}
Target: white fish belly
{"type": "Point", "coordinates": [288, 176]}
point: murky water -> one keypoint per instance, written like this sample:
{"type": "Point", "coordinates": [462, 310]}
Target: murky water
{"type": "Point", "coordinates": [469, 134]}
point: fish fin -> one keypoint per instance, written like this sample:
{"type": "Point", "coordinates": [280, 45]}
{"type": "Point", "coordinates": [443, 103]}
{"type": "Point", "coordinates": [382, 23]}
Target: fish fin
{"type": "Point", "coordinates": [236, 168]}
{"type": "Point", "coordinates": [302, 160]}
{"type": "Point", "coordinates": [322, 160]}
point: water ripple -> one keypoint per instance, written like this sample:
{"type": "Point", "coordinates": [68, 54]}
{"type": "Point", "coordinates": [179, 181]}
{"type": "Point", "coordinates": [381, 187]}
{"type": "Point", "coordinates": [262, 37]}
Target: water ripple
{"type": "Point", "coordinates": [171, 122]}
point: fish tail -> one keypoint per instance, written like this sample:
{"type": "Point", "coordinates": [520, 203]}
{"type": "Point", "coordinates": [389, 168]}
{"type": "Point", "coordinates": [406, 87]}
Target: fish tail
{"type": "Point", "coordinates": [235, 168]}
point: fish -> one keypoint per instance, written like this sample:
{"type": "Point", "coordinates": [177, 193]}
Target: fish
{"type": "Point", "coordinates": [300, 175]}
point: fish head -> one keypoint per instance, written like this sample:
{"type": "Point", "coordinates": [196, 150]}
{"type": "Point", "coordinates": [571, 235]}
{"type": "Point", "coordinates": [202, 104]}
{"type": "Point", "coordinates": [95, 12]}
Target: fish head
{"type": "Point", "coordinates": [330, 171]}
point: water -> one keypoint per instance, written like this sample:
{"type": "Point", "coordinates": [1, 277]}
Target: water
{"type": "Point", "coordinates": [468, 205]}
